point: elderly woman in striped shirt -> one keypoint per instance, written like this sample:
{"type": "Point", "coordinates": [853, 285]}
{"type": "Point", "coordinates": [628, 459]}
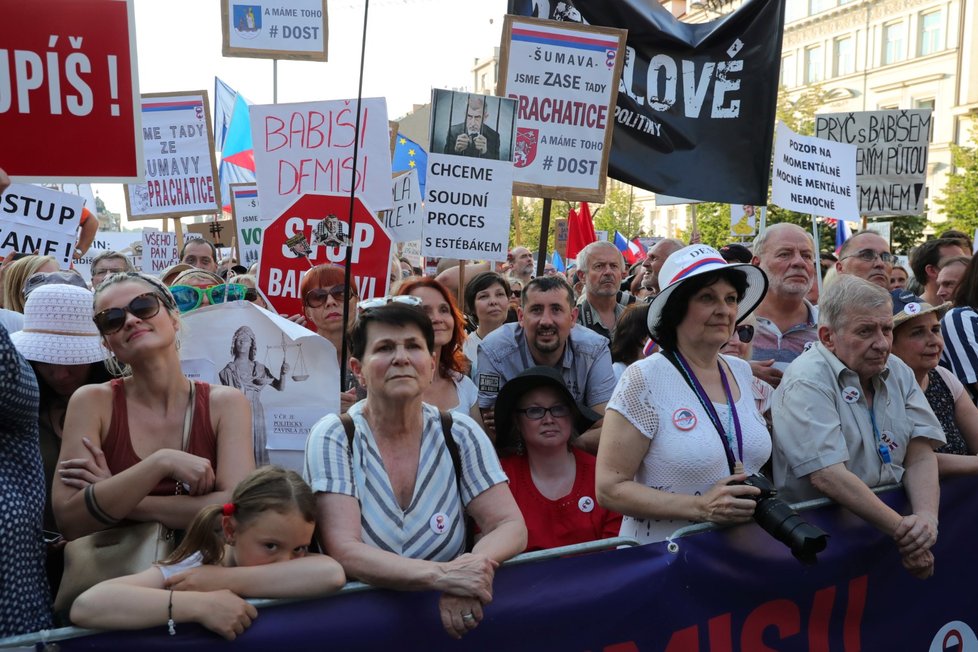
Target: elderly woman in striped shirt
{"type": "Point", "coordinates": [395, 478]}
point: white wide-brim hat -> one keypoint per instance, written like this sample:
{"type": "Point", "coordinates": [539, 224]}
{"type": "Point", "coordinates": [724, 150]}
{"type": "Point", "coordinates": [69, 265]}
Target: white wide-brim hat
{"type": "Point", "coordinates": [694, 260]}
{"type": "Point", "coordinates": [58, 327]}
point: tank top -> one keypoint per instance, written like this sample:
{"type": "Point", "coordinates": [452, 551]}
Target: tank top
{"type": "Point", "coordinates": [117, 446]}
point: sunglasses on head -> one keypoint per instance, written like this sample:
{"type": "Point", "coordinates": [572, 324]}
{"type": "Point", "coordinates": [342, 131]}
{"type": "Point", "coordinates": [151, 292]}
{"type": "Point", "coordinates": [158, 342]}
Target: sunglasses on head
{"type": "Point", "coordinates": [110, 320]}
{"type": "Point", "coordinates": [317, 297]}
{"type": "Point", "coordinates": [745, 332]}
{"type": "Point", "coordinates": [370, 304]}
{"type": "Point", "coordinates": [189, 297]}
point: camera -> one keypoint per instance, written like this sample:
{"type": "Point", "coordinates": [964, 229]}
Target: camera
{"type": "Point", "coordinates": [778, 519]}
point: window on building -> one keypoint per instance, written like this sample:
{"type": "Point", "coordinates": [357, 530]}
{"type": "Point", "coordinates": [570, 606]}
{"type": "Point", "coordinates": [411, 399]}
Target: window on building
{"type": "Point", "coordinates": [845, 56]}
{"type": "Point", "coordinates": [931, 32]}
{"type": "Point", "coordinates": [894, 43]}
{"type": "Point", "coordinates": [927, 104]}
{"type": "Point", "coordinates": [789, 74]}
{"type": "Point", "coordinates": [795, 11]}
{"type": "Point", "coordinates": [822, 5]}
{"type": "Point", "coordinates": [814, 65]}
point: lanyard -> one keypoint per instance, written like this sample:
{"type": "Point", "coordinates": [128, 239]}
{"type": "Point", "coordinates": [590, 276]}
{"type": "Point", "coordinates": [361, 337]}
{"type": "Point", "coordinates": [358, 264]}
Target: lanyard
{"type": "Point", "coordinates": [704, 399]}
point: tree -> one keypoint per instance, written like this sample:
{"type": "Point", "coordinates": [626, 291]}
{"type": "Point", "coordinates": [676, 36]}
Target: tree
{"type": "Point", "coordinates": [619, 212]}
{"type": "Point", "coordinates": [960, 201]}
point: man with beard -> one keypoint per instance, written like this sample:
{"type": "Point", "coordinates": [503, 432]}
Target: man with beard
{"type": "Point", "coordinates": [547, 335]}
{"type": "Point", "coordinates": [522, 264]}
{"type": "Point", "coordinates": [603, 268]}
{"type": "Point", "coordinates": [656, 257]}
{"type": "Point", "coordinates": [786, 321]}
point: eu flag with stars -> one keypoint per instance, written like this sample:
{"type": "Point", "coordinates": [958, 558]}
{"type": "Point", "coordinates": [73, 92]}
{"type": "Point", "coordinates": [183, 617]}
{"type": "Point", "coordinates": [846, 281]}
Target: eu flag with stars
{"type": "Point", "coordinates": [408, 155]}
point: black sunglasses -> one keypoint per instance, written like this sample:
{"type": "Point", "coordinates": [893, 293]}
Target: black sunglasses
{"type": "Point", "coordinates": [317, 297]}
{"type": "Point", "coordinates": [516, 293]}
{"type": "Point", "coordinates": [745, 332]}
{"type": "Point", "coordinates": [110, 320]}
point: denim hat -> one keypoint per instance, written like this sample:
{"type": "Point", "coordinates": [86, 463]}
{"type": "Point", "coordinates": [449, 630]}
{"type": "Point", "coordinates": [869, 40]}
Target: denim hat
{"type": "Point", "coordinates": [907, 305]}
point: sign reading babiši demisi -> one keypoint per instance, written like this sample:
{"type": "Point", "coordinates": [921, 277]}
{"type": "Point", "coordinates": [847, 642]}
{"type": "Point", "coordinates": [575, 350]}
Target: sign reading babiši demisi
{"type": "Point", "coordinates": [891, 156]}
{"type": "Point", "coordinates": [814, 175]}
{"type": "Point", "coordinates": [564, 79]}
{"type": "Point", "coordinates": [696, 101]}
{"type": "Point", "coordinates": [275, 29]}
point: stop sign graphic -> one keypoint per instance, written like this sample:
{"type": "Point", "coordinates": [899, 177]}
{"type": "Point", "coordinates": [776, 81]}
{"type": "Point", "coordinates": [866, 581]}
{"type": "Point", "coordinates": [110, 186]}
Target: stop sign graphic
{"type": "Point", "coordinates": [281, 271]}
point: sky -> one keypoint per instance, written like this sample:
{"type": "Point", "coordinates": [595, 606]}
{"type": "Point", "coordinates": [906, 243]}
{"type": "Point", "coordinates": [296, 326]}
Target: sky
{"type": "Point", "coordinates": [412, 47]}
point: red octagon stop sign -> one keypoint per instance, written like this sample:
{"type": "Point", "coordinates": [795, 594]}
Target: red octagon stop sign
{"type": "Point", "coordinates": [281, 271]}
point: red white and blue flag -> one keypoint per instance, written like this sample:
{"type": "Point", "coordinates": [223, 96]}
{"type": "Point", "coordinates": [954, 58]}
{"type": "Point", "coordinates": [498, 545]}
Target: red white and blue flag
{"type": "Point", "coordinates": [631, 251]}
{"type": "Point", "coordinates": [232, 136]}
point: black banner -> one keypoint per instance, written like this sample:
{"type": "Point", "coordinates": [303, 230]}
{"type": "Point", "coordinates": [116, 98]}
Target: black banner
{"type": "Point", "coordinates": [696, 103]}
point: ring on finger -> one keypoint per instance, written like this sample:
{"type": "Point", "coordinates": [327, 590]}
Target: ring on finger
{"type": "Point", "coordinates": [468, 617]}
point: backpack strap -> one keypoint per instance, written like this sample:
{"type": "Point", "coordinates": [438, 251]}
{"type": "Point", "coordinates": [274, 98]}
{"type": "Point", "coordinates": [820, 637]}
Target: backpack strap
{"type": "Point", "coordinates": [452, 446]}
{"type": "Point", "coordinates": [347, 422]}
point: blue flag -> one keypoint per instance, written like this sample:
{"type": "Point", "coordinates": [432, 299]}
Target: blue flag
{"type": "Point", "coordinates": [408, 155]}
{"type": "Point", "coordinates": [558, 262]}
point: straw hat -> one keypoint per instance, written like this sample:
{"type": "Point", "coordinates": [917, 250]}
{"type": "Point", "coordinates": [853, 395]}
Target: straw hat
{"type": "Point", "coordinates": [694, 260]}
{"type": "Point", "coordinates": [58, 327]}
{"type": "Point", "coordinates": [907, 305]}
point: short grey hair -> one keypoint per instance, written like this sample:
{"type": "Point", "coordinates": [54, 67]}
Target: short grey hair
{"type": "Point", "coordinates": [850, 295]}
{"type": "Point", "coordinates": [761, 240]}
{"type": "Point", "coordinates": [112, 255]}
{"type": "Point", "coordinates": [585, 253]}
{"type": "Point", "coordinates": [848, 244]}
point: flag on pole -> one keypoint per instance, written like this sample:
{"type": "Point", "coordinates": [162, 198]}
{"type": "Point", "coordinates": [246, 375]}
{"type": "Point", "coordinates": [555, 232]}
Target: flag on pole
{"type": "Point", "coordinates": [558, 262]}
{"type": "Point", "coordinates": [842, 233]}
{"type": "Point", "coordinates": [408, 155]}
{"type": "Point", "coordinates": [232, 135]}
{"type": "Point", "coordinates": [631, 251]}
{"type": "Point", "coordinates": [580, 230]}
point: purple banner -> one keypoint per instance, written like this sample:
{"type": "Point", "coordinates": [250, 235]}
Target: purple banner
{"type": "Point", "coordinates": [721, 591]}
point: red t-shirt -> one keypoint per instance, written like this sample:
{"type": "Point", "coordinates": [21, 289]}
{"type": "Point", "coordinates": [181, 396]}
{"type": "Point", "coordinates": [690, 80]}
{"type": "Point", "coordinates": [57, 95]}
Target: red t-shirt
{"type": "Point", "coordinates": [575, 518]}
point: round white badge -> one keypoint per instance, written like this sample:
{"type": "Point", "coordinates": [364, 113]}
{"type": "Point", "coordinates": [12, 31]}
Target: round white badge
{"type": "Point", "coordinates": [684, 419]}
{"type": "Point", "coordinates": [807, 346]}
{"type": "Point", "coordinates": [585, 504]}
{"type": "Point", "coordinates": [439, 523]}
{"type": "Point", "coordinates": [912, 308]}
{"type": "Point", "coordinates": [850, 394]}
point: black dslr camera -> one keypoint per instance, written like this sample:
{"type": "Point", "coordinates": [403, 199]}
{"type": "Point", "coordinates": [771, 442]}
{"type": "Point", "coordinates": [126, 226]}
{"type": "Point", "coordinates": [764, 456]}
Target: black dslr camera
{"type": "Point", "coordinates": [784, 524]}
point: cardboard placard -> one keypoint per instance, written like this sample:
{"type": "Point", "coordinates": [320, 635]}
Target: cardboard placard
{"type": "Point", "coordinates": [276, 29]}
{"type": "Point", "coordinates": [35, 219]}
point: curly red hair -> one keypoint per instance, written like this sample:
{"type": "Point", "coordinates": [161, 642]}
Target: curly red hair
{"type": "Point", "coordinates": [451, 357]}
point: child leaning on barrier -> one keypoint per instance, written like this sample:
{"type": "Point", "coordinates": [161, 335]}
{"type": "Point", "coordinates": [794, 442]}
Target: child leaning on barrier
{"type": "Point", "coordinates": [225, 557]}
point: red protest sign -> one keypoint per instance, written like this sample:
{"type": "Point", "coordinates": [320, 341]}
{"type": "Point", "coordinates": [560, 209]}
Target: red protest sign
{"type": "Point", "coordinates": [281, 270]}
{"type": "Point", "coordinates": [69, 95]}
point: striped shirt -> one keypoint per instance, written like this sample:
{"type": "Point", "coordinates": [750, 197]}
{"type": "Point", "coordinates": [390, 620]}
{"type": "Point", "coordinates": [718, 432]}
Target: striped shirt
{"type": "Point", "coordinates": [959, 327]}
{"type": "Point", "coordinates": [433, 526]}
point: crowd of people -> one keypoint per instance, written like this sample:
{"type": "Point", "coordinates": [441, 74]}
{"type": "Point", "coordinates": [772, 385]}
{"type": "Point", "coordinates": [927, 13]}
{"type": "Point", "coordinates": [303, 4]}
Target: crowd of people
{"type": "Point", "coordinates": [517, 412]}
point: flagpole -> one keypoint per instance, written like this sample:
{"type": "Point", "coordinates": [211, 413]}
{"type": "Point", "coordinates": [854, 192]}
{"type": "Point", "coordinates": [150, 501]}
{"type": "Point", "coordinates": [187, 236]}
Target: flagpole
{"type": "Point", "coordinates": [544, 233]}
{"type": "Point", "coordinates": [274, 81]}
{"type": "Point", "coordinates": [818, 264]}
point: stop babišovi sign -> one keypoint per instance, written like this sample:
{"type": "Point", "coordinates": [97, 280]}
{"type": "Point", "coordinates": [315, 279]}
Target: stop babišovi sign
{"type": "Point", "coordinates": [281, 270]}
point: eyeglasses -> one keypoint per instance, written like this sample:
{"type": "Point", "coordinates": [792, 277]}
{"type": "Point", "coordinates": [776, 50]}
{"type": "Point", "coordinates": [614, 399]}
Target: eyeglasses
{"type": "Point", "coordinates": [536, 412]}
{"type": "Point", "coordinates": [106, 272]}
{"type": "Point", "coordinates": [251, 294]}
{"type": "Point", "coordinates": [745, 332]}
{"type": "Point", "coordinates": [317, 297]}
{"type": "Point", "coordinates": [869, 256]}
{"type": "Point", "coordinates": [370, 304]}
{"type": "Point", "coordinates": [189, 297]}
{"type": "Point", "coordinates": [110, 320]}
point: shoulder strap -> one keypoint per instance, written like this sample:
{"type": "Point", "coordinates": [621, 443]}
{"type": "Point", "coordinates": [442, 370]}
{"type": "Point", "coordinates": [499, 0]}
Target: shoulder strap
{"type": "Point", "coordinates": [188, 420]}
{"type": "Point", "coordinates": [347, 422]}
{"type": "Point", "coordinates": [452, 445]}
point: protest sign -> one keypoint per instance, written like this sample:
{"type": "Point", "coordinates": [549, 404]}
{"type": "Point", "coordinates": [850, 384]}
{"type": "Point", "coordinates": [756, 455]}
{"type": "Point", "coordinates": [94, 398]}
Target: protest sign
{"type": "Point", "coordinates": [37, 220]}
{"type": "Point", "coordinates": [815, 176]}
{"type": "Point", "coordinates": [601, 235]}
{"type": "Point", "coordinates": [281, 269]}
{"type": "Point", "coordinates": [412, 251]}
{"type": "Point", "coordinates": [691, 96]}
{"type": "Point", "coordinates": [244, 208]}
{"type": "Point", "coordinates": [565, 80]}
{"type": "Point", "coordinates": [885, 229]}
{"type": "Point", "coordinates": [891, 156]}
{"type": "Point", "coordinates": [275, 29]}
{"type": "Point", "coordinates": [560, 236]}
{"type": "Point", "coordinates": [127, 243]}
{"type": "Point", "coordinates": [217, 232]}
{"type": "Point", "coordinates": [308, 148]}
{"type": "Point", "coordinates": [181, 172]}
{"type": "Point", "coordinates": [69, 93]}
{"type": "Point", "coordinates": [470, 176]}
{"type": "Point", "coordinates": [160, 250]}
{"type": "Point", "coordinates": [743, 220]}
{"type": "Point", "coordinates": [289, 375]}
{"type": "Point", "coordinates": [403, 221]}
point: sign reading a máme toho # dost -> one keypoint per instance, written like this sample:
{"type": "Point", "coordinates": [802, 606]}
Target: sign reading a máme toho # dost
{"type": "Point", "coordinates": [891, 156]}
{"type": "Point", "coordinates": [275, 29]}
{"type": "Point", "coordinates": [564, 78]}
{"type": "Point", "coordinates": [178, 146]}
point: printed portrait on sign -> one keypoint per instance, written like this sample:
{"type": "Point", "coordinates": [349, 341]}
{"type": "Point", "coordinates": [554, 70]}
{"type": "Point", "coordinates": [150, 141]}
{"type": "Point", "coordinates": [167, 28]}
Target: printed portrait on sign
{"type": "Point", "coordinates": [477, 126]}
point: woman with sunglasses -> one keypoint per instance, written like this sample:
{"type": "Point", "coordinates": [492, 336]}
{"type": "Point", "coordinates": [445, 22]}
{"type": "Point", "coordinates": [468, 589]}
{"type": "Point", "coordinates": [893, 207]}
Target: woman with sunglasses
{"type": "Point", "coordinates": [196, 288]}
{"type": "Point", "coordinates": [741, 345]}
{"type": "Point", "coordinates": [451, 388]}
{"type": "Point", "coordinates": [322, 290]}
{"type": "Point", "coordinates": [152, 445]}
{"type": "Point", "coordinates": [552, 481]}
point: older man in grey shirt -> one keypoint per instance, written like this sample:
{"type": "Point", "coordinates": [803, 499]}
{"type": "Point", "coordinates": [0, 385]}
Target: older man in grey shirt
{"type": "Point", "coordinates": [849, 417]}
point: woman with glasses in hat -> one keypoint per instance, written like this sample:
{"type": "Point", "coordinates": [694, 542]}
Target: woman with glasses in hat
{"type": "Point", "coordinates": [151, 445]}
{"type": "Point", "coordinates": [395, 477]}
{"type": "Point", "coordinates": [682, 430]}
{"type": "Point", "coordinates": [552, 481]}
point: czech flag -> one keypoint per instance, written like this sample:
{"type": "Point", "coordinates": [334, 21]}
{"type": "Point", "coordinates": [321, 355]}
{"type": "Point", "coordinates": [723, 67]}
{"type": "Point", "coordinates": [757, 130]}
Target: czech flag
{"type": "Point", "coordinates": [842, 233]}
{"type": "Point", "coordinates": [232, 135]}
{"type": "Point", "coordinates": [631, 251]}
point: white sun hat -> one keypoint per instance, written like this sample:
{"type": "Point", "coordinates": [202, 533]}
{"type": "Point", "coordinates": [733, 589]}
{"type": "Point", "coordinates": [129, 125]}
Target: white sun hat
{"type": "Point", "coordinates": [694, 260]}
{"type": "Point", "coordinates": [58, 327]}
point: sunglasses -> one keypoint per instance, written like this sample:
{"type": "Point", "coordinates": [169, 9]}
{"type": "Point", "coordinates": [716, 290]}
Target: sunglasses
{"type": "Point", "coordinates": [516, 293]}
{"type": "Point", "coordinates": [869, 256]}
{"type": "Point", "coordinates": [745, 332]}
{"type": "Point", "coordinates": [189, 297]}
{"type": "Point", "coordinates": [370, 304]}
{"type": "Point", "coordinates": [317, 296]}
{"type": "Point", "coordinates": [145, 306]}
{"type": "Point", "coordinates": [536, 412]}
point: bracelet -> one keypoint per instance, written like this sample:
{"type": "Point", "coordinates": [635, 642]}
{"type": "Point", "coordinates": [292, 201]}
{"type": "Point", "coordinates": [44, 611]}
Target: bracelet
{"type": "Point", "coordinates": [93, 507]}
{"type": "Point", "coordinates": [171, 626]}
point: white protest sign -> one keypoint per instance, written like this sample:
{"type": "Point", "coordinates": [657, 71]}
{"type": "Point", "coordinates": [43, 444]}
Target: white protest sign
{"type": "Point", "coordinates": [160, 250]}
{"type": "Point", "coordinates": [743, 220]}
{"type": "Point", "coordinates": [178, 145]}
{"type": "Point", "coordinates": [35, 219]}
{"type": "Point", "coordinates": [275, 29]}
{"type": "Point", "coordinates": [601, 235]}
{"type": "Point", "coordinates": [412, 251]}
{"type": "Point", "coordinates": [815, 176]}
{"type": "Point", "coordinates": [247, 217]}
{"type": "Point", "coordinates": [403, 222]}
{"type": "Point", "coordinates": [126, 243]}
{"type": "Point", "coordinates": [891, 156]}
{"type": "Point", "coordinates": [565, 79]}
{"type": "Point", "coordinates": [308, 148]}
{"type": "Point", "coordinates": [885, 229]}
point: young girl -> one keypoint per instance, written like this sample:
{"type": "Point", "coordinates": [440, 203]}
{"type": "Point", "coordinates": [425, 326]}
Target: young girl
{"type": "Point", "coordinates": [224, 558]}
